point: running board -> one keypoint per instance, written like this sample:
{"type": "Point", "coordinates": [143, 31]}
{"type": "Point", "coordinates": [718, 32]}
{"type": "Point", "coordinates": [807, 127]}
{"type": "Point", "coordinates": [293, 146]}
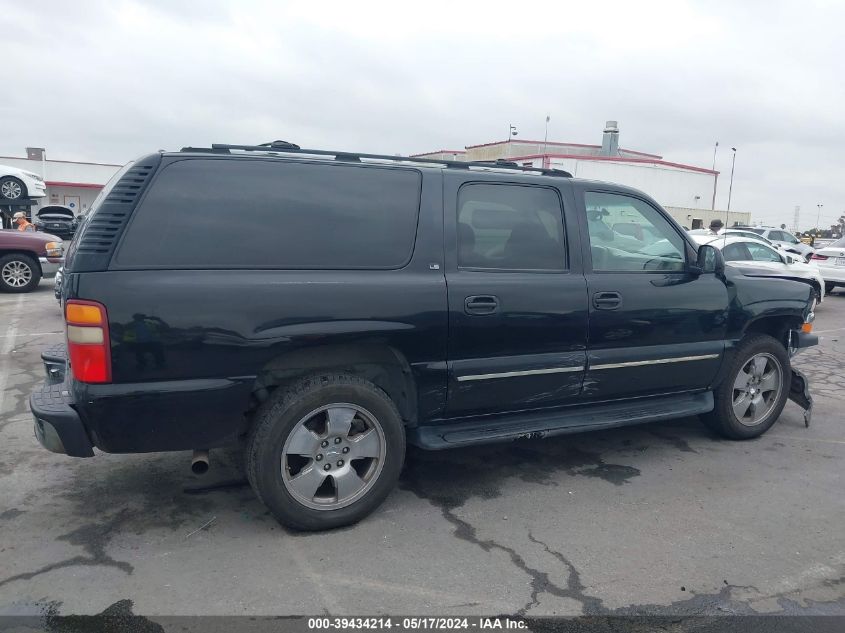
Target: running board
{"type": "Point", "coordinates": [533, 425]}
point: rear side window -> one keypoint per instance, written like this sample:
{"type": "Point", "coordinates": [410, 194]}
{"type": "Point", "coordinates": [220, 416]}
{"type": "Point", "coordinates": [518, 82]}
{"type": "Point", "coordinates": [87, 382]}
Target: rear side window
{"type": "Point", "coordinates": [272, 214]}
{"type": "Point", "coordinates": [510, 227]}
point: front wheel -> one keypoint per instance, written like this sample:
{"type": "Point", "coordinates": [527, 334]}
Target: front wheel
{"type": "Point", "coordinates": [755, 389]}
{"type": "Point", "coordinates": [326, 451]}
{"type": "Point", "coordinates": [11, 188]}
{"type": "Point", "coordinates": [18, 273]}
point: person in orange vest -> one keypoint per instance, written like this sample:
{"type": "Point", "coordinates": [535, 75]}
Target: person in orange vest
{"type": "Point", "coordinates": [23, 224]}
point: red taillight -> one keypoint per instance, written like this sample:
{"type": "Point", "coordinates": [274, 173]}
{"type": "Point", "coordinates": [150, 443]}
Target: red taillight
{"type": "Point", "coordinates": [819, 257]}
{"type": "Point", "coordinates": [88, 340]}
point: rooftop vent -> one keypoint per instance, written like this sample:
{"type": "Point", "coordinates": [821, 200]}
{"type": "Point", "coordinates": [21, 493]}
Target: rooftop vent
{"type": "Point", "coordinates": [610, 139]}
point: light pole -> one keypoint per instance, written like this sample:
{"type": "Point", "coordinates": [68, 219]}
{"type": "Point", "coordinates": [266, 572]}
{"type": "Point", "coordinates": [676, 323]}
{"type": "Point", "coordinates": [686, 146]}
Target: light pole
{"type": "Point", "coordinates": [511, 131]}
{"type": "Point", "coordinates": [818, 218]}
{"type": "Point", "coordinates": [731, 187]}
{"type": "Point", "coordinates": [546, 137]}
{"type": "Point", "coordinates": [715, 177]}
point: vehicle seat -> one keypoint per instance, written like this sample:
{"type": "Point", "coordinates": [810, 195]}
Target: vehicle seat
{"type": "Point", "coordinates": [529, 246]}
{"type": "Point", "coordinates": [466, 246]}
{"type": "Point", "coordinates": [599, 256]}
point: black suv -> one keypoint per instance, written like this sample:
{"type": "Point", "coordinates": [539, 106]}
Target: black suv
{"type": "Point", "coordinates": [325, 308]}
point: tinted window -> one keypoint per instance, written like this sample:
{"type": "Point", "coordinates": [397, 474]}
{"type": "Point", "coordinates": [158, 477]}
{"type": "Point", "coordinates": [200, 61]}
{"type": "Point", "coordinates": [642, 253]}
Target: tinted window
{"type": "Point", "coordinates": [655, 245]}
{"type": "Point", "coordinates": [510, 227]}
{"type": "Point", "coordinates": [736, 252]}
{"type": "Point", "coordinates": [762, 253]}
{"type": "Point", "coordinates": [243, 213]}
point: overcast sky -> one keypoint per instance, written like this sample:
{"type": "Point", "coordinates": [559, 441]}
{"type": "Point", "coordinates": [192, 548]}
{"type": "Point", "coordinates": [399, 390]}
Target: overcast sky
{"type": "Point", "coordinates": [107, 81]}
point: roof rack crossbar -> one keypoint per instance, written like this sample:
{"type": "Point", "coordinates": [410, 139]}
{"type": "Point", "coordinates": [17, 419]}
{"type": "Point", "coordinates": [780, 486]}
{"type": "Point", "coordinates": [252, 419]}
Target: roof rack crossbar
{"type": "Point", "coordinates": [283, 147]}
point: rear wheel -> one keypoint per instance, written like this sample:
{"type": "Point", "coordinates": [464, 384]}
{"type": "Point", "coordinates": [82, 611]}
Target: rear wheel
{"type": "Point", "coordinates": [829, 286]}
{"type": "Point", "coordinates": [18, 273]}
{"type": "Point", "coordinates": [755, 389]}
{"type": "Point", "coordinates": [11, 188]}
{"type": "Point", "coordinates": [326, 451]}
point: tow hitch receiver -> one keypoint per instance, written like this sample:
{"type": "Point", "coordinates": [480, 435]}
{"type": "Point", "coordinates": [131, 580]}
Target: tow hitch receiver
{"type": "Point", "coordinates": [799, 393]}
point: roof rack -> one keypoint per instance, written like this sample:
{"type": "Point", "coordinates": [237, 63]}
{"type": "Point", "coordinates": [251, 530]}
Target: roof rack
{"type": "Point", "coordinates": [285, 147]}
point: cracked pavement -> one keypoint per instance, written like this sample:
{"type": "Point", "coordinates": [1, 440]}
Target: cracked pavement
{"type": "Point", "coordinates": [661, 519]}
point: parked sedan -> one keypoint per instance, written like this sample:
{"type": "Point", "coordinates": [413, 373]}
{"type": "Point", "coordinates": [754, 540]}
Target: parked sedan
{"type": "Point", "coordinates": [831, 263]}
{"type": "Point", "coordinates": [17, 184]}
{"type": "Point", "coordinates": [754, 257]}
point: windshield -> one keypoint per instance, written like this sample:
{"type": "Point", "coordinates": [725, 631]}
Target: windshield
{"type": "Point", "coordinates": [840, 243]}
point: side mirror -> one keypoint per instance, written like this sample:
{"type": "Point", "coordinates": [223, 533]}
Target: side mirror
{"type": "Point", "coordinates": [708, 260]}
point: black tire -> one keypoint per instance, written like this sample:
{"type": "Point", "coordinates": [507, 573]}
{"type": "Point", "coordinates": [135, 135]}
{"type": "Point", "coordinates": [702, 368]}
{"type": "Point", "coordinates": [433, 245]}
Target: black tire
{"type": "Point", "coordinates": [281, 415]}
{"type": "Point", "coordinates": [723, 420]}
{"type": "Point", "coordinates": [8, 183]}
{"type": "Point", "coordinates": [828, 287]}
{"type": "Point", "coordinates": [8, 282]}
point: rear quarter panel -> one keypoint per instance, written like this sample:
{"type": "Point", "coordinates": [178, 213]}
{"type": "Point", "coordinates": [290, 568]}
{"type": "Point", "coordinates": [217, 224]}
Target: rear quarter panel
{"type": "Point", "coordinates": [187, 345]}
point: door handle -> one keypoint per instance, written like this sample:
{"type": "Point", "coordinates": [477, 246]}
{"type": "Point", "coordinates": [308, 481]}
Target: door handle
{"type": "Point", "coordinates": [607, 300]}
{"type": "Point", "coordinates": [481, 304]}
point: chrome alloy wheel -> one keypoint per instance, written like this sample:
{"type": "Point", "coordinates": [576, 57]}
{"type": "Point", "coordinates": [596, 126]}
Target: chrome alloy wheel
{"type": "Point", "coordinates": [333, 456]}
{"type": "Point", "coordinates": [757, 388]}
{"type": "Point", "coordinates": [16, 274]}
{"type": "Point", "coordinates": [11, 190]}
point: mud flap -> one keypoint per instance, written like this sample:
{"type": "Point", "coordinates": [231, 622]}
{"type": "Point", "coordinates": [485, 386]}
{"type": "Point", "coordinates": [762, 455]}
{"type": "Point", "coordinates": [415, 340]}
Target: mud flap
{"type": "Point", "coordinates": [799, 393]}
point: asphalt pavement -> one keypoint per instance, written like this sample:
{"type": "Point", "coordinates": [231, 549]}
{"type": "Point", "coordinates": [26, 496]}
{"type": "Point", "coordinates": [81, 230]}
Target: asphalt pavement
{"type": "Point", "coordinates": [662, 519]}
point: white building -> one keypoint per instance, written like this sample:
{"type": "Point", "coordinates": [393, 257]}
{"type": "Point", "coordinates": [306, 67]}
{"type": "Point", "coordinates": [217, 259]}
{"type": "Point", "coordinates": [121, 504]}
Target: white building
{"type": "Point", "coordinates": [73, 184]}
{"type": "Point", "coordinates": [685, 191]}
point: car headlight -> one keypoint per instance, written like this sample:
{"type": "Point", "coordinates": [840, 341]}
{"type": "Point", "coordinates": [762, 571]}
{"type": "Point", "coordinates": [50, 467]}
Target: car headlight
{"type": "Point", "coordinates": [54, 249]}
{"type": "Point", "coordinates": [34, 176]}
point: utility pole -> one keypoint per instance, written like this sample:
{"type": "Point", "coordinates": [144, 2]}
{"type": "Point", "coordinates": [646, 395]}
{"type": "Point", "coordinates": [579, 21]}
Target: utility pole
{"type": "Point", "coordinates": [715, 177]}
{"type": "Point", "coordinates": [796, 219]}
{"type": "Point", "coordinates": [731, 187]}
{"type": "Point", "coordinates": [818, 217]}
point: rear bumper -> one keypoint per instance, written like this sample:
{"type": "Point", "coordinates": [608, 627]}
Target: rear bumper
{"type": "Point", "coordinates": [58, 427]}
{"type": "Point", "coordinates": [835, 274]}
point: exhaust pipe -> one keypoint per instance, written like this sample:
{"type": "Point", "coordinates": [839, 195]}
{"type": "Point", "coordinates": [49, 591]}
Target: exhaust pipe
{"type": "Point", "coordinates": [199, 462]}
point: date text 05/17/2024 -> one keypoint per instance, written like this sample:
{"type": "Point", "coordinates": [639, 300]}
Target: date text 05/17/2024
{"type": "Point", "coordinates": [416, 623]}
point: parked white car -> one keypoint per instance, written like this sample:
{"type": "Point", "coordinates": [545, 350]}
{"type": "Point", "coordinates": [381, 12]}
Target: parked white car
{"type": "Point", "coordinates": [751, 252]}
{"type": "Point", "coordinates": [787, 240]}
{"type": "Point", "coordinates": [831, 262]}
{"type": "Point", "coordinates": [16, 184]}
{"type": "Point", "coordinates": [738, 233]}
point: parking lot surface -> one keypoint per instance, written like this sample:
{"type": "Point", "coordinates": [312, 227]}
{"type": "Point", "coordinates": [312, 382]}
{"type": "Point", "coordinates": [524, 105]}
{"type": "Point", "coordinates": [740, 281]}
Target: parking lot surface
{"type": "Point", "coordinates": [661, 519]}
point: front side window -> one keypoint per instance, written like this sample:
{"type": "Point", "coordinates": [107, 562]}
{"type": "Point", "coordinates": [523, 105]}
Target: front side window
{"type": "Point", "coordinates": [510, 227]}
{"type": "Point", "coordinates": [629, 235]}
{"type": "Point", "coordinates": [762, 253]}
